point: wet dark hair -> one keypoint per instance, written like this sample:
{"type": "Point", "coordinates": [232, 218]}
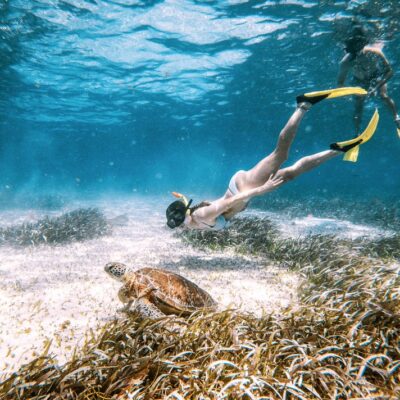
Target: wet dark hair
{"type": "Point", "coordinates": [176, 212]}
{"type": "Point", "coordinates": [197, 206]}
{"type": "Point", "coordinates": [355, 44]}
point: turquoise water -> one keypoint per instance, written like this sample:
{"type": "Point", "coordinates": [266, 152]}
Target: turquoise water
{"type": "Point", "coordinates": [144, 97]}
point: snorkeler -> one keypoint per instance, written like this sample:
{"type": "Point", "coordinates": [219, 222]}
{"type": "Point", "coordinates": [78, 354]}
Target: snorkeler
{"type": "Point", "coordinates": [266, 175]}
{"type": "Point", "coordinates": [371, 70]}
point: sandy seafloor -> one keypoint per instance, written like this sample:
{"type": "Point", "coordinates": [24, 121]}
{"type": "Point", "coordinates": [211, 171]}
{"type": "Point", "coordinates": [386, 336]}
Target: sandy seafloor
{"type": "Point", "coordinates": [60, 292]}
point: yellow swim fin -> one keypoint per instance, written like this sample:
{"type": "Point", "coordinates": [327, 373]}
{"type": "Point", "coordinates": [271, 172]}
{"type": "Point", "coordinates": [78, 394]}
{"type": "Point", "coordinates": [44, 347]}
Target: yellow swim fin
{"type": "Point", "coordinates": [315, 97]}
{"type": "Point", "coordinates": [352, 154]}
{"type": "Point", "coordinates": [351, 147]}
{"type": "Point", "coordinates": [398, 132]}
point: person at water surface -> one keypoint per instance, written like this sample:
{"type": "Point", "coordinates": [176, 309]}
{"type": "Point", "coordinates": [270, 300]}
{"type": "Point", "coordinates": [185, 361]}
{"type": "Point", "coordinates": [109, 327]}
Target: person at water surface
{"type": "Point", "coordinates": [267, 175]}
{"type": "Point", "coordinates": [371, 70]}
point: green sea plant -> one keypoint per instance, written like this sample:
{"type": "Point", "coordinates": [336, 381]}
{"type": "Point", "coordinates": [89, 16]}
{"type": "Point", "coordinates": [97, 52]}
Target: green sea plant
{"type": "Point", "coordinates": [260, 236]}
{"type": "Point", "coordinates": [76, 225]}
{"type": "Point", "coordinates": [383, 213]}
{"type": "Point", "coordinates": [248, 235]}
{"type": "Point", "coordinates": [384, 247]}
{"type": "Point", "coordinates": [341, 341]}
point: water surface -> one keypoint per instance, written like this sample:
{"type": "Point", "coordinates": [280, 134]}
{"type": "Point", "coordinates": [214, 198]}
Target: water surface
{"type": "Point", "coordinates": [151, 96]}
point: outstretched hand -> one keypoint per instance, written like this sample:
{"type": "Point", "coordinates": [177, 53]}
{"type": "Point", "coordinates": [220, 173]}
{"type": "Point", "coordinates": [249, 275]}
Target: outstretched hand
{"type": "Point", "coordinates": [375, 84]}
{"type": "Point", "coordinates": [272, 183]}
{"type": "Point", "coordinates": [372, 92]}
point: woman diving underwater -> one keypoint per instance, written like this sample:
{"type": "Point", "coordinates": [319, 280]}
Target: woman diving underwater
{"type": "Point", "coordinates": [266, 175]}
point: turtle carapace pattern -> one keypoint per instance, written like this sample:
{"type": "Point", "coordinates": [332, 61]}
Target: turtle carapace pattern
{"type": "Point", "coordinates": [158, 292]}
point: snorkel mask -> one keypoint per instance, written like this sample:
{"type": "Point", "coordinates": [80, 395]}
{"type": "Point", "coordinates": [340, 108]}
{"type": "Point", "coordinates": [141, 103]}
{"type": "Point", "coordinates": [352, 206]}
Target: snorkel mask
{"type": "Point", "coordinates": [177, 211]}
{"type": "Point", "coordinates": [355, 44]}
{"type": "Point", "coordinates": [356, 41]}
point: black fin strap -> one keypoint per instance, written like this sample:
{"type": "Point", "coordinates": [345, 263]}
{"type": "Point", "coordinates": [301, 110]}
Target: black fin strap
{"type": "Point", "coordinates": [344, 149]}
{"type": "Point", "coordinates": [189, 204]}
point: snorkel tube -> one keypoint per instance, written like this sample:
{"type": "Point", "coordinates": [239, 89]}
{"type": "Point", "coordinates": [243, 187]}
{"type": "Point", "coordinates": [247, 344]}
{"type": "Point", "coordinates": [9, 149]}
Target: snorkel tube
{"type": "Point", "coordinates": [356, 41]}
{"type": "Point", "coordinates": [183, 198]}
{"type": "Point", "coordinates": [177, 211]}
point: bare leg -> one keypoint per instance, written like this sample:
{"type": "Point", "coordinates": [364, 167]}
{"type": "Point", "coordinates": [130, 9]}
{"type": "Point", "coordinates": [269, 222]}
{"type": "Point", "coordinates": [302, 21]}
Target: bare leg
{"type": "Point", "coordinates": [260, 173]}
{"type": "Point", "coordinates": [389, 102]}
{"type": "Point", "coordinates": [124, 296]}
{"type": "Point", "coordinates": [306, 164]}
{"type": "Point", "coordinates": [358, 111]}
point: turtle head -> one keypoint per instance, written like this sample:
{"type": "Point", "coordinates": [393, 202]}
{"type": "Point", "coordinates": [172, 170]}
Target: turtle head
{"type": "Point", "coordinates": [116, 270]}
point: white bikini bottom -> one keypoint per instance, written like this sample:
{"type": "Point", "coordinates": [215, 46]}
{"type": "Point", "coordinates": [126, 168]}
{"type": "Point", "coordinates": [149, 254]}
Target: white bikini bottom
{"type": "Point", "coordinates": [232, 183]}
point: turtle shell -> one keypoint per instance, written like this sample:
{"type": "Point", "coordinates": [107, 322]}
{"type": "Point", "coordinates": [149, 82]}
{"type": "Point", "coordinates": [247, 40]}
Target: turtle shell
{"type": "Point", "coordinates": [169, 292]}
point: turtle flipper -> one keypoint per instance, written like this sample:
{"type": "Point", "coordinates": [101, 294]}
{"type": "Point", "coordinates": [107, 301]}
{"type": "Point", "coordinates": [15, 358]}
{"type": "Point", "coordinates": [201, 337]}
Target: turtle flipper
{"type": "Point", "coordinates": [126, 308]}
{"type": "Point", "coordinates": [147, 309]}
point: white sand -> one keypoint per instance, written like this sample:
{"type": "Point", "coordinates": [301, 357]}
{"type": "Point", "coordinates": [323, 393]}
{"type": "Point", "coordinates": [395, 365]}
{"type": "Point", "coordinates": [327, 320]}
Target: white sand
{"type": "Point", "coordinates": [59, 292]}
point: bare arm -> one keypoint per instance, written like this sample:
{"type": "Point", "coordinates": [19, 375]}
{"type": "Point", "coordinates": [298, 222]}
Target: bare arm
{"type": "Point", "coordinates": [270, 185]}
{"type": "Point", "coordinates": [344, 68]}
{"type": "Point", "coordinates": [218, 207]}
{"type": "Point", "coordinates": [387, 71]}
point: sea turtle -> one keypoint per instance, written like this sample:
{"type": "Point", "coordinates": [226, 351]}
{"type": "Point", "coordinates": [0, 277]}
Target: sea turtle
{"type": "Point", "coordinates": [157, 292]}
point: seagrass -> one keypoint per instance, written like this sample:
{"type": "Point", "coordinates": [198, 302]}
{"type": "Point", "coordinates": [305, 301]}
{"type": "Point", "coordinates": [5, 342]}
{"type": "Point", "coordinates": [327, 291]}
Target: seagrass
{"type": "Point", "coordinates": [340, 342]}
{"type": "Point", "coordinates": [383, 213]}
{"type": "Point", "coordinates": [77, 225]}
